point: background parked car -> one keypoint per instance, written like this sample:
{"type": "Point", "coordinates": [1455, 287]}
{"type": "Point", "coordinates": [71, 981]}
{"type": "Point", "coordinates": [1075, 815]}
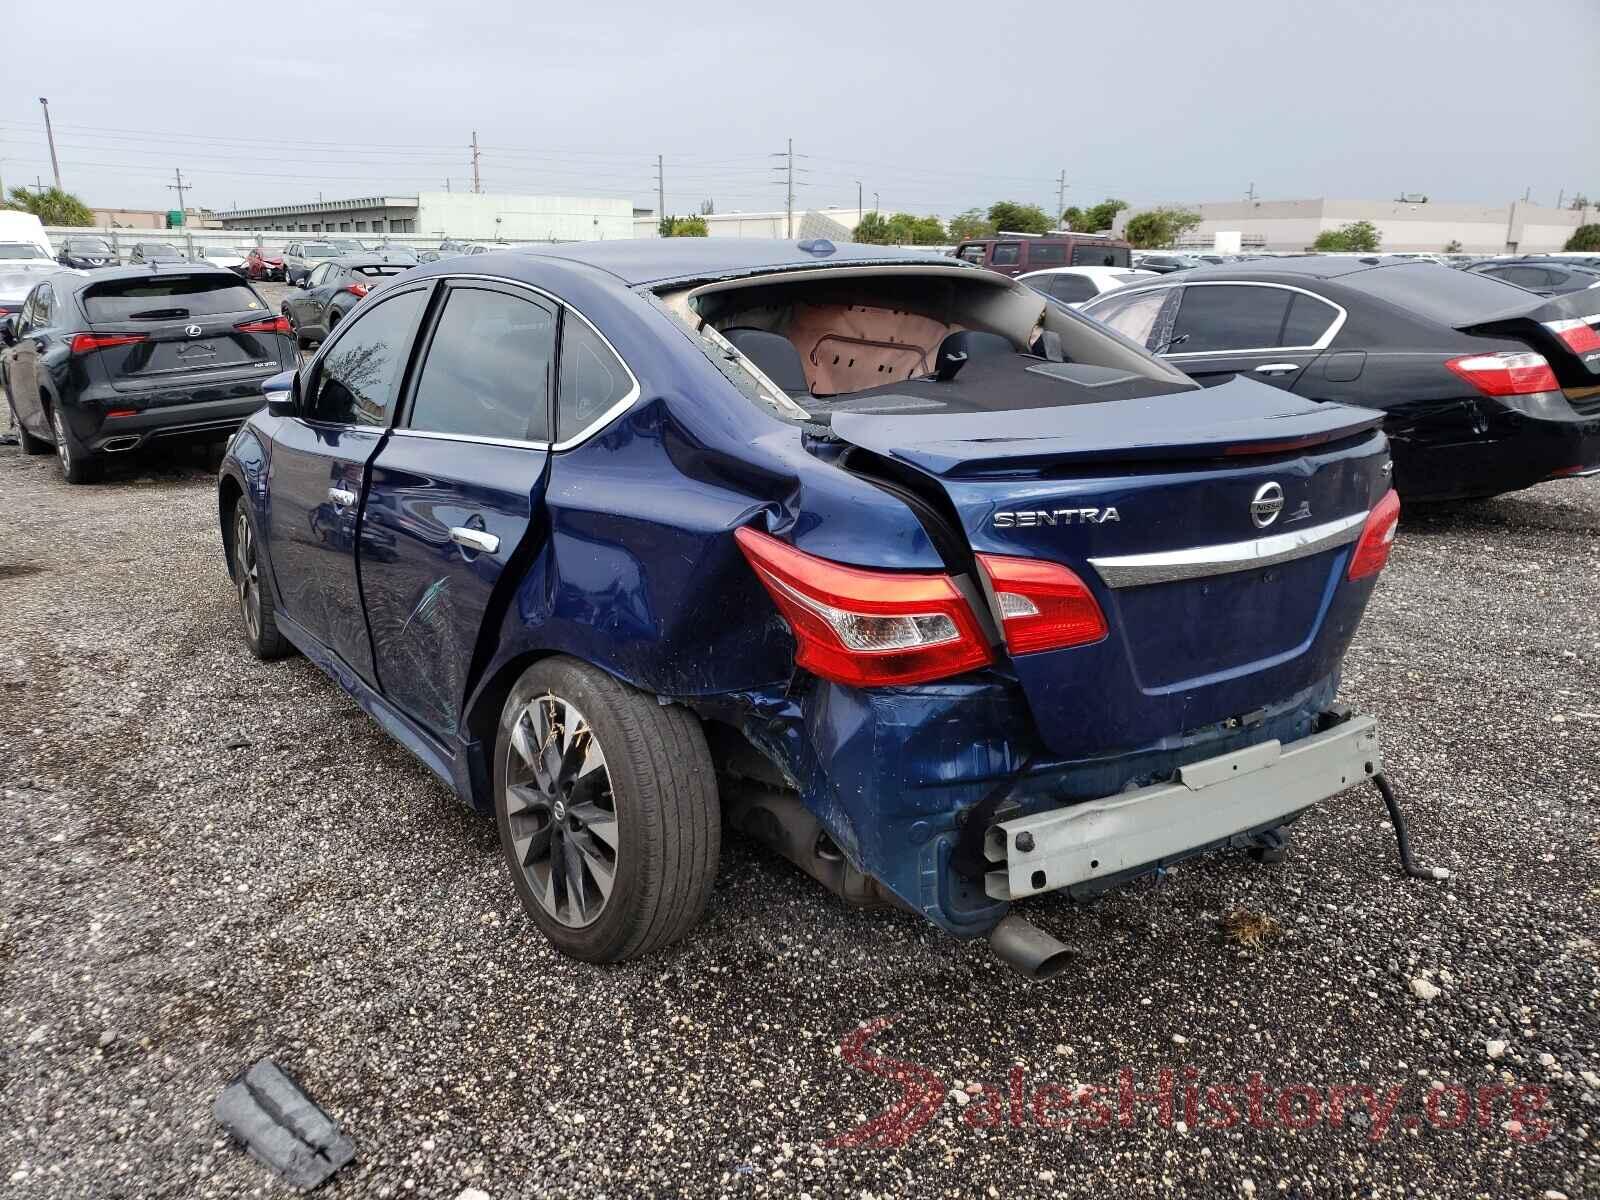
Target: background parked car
{"type": "Point", "coordinates": [1073, 285]}
{"type": "Point", "coordinates": [264, 262]}
{"type": "Point", "coordinates": [345, 245]}
{"type": "Point", "coordinates": [395, 252]}
{"type": "Point", "coordinates": [226, 257]}
{"type": "Point", "coordinates": [22, 264]}
{"type": "Point", "coordinates": [300, 257]}
{"type": "Point", "coordinates": [1485, 389]}
{"type": "Point", "coordinates": [83, 253]}
{"type": "Point", "coordinates": [148, 252]}
{"type": "Point", "coordinates": [103, 362]}
{"type": "Point", "coordinates": [1543, 276]}
{"type": "Point", "coordinates": [1013, 254]}
{"type": "Point", "coordinates": [1165, 264]}
{"type": "Point", "coordinates": [334, 288]}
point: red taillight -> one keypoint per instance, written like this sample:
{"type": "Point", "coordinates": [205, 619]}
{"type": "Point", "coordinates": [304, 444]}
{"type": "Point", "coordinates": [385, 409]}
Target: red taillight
{"type": "Point", "coordinates": [123, 412]}
{"type": "Point", "coordinates": [1507, 373]}
{"type": "Point", "coordinates": [1044, 605]}
{"type": "Point", "coordinates": [356, 289]}
{"type": "Point", "coordinates": [866, 628]}
{"type": "Point", "coordinates": [1377, 537]}
{"type": "Point", "coordinates": [1578, 334]}
{"type": "Point", "coordinates": [275, 325]}
{"type": "Point", "coordinates": [82, 343]}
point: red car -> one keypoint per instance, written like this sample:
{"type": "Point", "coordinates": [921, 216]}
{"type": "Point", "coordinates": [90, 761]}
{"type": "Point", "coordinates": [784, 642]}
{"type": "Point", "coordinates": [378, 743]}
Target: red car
{"type": "Point", "coordinates": [265, 262]}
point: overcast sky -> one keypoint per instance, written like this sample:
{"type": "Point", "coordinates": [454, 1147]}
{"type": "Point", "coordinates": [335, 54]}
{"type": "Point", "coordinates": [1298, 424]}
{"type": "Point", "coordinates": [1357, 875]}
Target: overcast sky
{"type": "Point", "coordinates": [935, 106]}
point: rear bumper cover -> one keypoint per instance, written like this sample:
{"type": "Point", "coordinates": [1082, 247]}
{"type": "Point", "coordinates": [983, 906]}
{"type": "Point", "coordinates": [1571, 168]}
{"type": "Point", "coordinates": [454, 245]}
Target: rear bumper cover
{"type": "Point", "coordinates": [1208, 802]}
{"type": "Point", "coordinates": [1514, 452]}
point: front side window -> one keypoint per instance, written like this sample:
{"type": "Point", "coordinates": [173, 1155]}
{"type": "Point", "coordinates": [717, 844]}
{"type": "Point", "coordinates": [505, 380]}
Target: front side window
{"type": "Point", "coordinates": [593, 379]}
{"type": "Point", "coordinates": [358, 378]}
{"type": "Point", "coordinates": [1134, 317]}
{"type": "Point", "coordinates": [43, 304]}
{"type": "Point", "coordinates": [1007, 254]}
{"type": "Point", "coordinates": [971, 254]}
{"type": "Point", "coordinates": [487, 373]}
{"type": "Point", "coordinates": [1230, 317]}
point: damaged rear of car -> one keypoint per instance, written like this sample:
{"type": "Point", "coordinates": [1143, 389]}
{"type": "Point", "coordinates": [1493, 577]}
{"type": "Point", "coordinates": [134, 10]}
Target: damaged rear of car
{"type": "Point", "coordinates": [959, 598]}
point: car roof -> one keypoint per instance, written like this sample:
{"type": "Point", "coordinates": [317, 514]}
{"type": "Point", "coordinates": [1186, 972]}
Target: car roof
{"type": "Point", "coordinates": [1307, 266]}
{"type": "Point", "coordinates": [363, 260]}
{"type": "Point", "coordinates": [1092, 271]}
{"type": "Point", "coordinates": [637, 261]}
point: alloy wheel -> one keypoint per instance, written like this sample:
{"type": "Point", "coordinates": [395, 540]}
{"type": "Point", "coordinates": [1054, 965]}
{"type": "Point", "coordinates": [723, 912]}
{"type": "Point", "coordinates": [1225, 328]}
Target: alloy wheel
{"type": "Point", "coordinates": [245, 571]}
{"type": "Point", "coordinates": [561, 810]}
{"type": "Point", "coordinates": [63, 451]}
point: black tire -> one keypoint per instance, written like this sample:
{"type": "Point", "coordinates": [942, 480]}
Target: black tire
{"type": "Point", "coordinates": [256, 613]}
{"type": "Point", "coordinates": [1270, 847]}
{"type": "Point", "coordinates": [663, 808]}
{"type": "Point", "coordinates": [77, 464]}
{"type": "Point", "coordinates": [26, 440]}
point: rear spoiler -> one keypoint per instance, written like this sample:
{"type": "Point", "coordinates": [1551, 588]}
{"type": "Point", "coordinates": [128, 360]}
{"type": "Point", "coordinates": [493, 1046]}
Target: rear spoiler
{"type": "Point", "coordinates": [1565, 329]}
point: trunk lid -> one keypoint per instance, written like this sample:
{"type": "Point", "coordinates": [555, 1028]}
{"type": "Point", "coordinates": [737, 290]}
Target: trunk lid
{"type": "Point", "coordinates": [1214, 529]}
{"type": "Point", "coordinates": [1565, 329]}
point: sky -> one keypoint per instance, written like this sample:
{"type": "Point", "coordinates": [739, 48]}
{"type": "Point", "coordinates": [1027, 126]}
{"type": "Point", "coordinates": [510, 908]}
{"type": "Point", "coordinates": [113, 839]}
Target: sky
{"type": "Point", "coordinates": [931, 107]}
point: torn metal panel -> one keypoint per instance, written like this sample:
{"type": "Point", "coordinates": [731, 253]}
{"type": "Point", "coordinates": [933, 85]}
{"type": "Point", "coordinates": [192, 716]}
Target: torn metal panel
{"type": "Point", "coordinates": [282, 1127]}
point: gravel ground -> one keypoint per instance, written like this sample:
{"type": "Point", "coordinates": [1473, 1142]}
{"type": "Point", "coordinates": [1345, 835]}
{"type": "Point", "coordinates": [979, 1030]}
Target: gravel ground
{"type": "Point", "coordinates": [210, 860]}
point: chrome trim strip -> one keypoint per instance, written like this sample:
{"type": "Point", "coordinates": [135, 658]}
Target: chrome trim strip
{"type": "Point", "coordinates": [1196, 562]}
{"type": "Point", "coordinates": [475, 439]}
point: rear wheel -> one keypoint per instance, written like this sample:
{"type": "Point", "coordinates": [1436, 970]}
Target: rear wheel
{"type": "Point", "coordinates": [608, 814]}
{"type": "Point", "coordinates": [77, 465]}
{"type": "Point", "coordinates": [260, 622]}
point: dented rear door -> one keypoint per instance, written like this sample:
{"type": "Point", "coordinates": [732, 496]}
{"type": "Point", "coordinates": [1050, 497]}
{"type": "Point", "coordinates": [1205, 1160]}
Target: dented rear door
{"type": "Point", "coordinates": [456, 492]}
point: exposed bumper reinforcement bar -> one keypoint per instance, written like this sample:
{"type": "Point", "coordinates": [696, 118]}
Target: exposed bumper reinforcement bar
{"type": "Point", "coordinates": [1208, 802]}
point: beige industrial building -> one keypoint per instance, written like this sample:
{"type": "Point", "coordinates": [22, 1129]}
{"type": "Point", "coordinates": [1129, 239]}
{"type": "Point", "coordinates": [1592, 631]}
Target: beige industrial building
{"type": "Point", "coordinates": [1414, 225]}
{"type": "Point", "coordinates": [472, 216]}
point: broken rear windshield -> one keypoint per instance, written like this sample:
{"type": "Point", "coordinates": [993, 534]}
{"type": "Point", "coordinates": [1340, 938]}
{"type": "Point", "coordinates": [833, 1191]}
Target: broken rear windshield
{"type": "Point", "coordinates": [168, 298]}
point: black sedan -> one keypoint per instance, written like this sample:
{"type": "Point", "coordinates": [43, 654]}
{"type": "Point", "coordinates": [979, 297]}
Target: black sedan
{"type": "Point", "coordinates": [333, 289]}
{"type": "Point", "coordinates": [1486, 388]}
{"type": "Point", "coordinates": [84, 253]}
{"type": "Point", "coordinates": [149, 252]}
{"type": "Point", "coordinates": [102, 363]}
{"type": "Point", "coordinates": [1543, 276]}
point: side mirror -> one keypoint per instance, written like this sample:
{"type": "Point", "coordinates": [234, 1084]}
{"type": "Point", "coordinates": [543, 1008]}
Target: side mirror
{"type": "Point", "coordinates": [8, 331]}
{"type": "Point", "coordinates": [282, 393]}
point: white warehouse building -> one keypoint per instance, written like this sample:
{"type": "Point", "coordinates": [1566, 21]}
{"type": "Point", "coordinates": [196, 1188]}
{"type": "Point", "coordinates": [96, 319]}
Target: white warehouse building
{"type": "Point", "coordinates": [468, 216]}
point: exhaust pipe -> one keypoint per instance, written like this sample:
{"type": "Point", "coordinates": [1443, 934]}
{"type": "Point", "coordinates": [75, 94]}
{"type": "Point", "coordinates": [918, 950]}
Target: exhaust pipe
{"type": "Point", "coordinates": [1027, 949]}
{"type": "Point", "coordinates": [116, 444]}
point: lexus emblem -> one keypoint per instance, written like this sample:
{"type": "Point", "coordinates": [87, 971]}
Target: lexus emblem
{"type": "Point", "coordinates": [193, 330]}
{"type": "Point", "coordinates": [1266, 506]}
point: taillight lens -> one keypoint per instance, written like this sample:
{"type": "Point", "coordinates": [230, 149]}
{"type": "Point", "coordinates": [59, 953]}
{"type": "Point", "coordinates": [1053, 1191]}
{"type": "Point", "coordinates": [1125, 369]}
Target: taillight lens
{"type": "Point", "coordinates": [1044, 605]}
{"type": "Point", "coordinates": [866, 628]}
{"type": "Point", "coordinates": [275, 325]}
{"type": "Point", "coordinates": [1579, 336]}
{"type": "Point", "coordinates": [83, 343]}
{"type": "Point", "coordinates": [1377, 537]}
{"type": "Point", "coordinates": [356, 289]}
{"type": "Point", "coordinates": [1507, 373]}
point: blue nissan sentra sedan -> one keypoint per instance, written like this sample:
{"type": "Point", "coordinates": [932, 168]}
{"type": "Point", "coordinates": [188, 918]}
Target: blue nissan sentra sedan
{"type": "Point", "coordinates": [952, 596]}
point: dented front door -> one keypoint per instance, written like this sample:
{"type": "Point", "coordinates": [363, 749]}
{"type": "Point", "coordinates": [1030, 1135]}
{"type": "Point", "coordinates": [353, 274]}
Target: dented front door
{"type": "Point", "coordinates": [454, 492]}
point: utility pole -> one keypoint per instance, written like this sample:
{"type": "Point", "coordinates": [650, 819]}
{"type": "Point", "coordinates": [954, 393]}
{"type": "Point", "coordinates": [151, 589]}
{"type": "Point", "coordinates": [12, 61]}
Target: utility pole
{"type": "Point", "coordinates": [788, 168]}
{"type": "Point", "coordinates": [476, 185]}
{"type": "Point", "coordinates": [1061, 198]}
{"type": "Point", "coordinates": [1251, 194]}
{"type": "Point", "coordinates": [1527, 192]}
{"type": "Point", "coordinates": [661, 190]}
{"type": "Point", "coordinates": [50, 135]}
{"type": "Point", "coordinates": [874, 201]}
{"type": "Point", "coordinates": [180, 187]}
{"type": "Point", "coordinates": [859, 210]}
{"type": "Point", "coordinates": [1560, 197]}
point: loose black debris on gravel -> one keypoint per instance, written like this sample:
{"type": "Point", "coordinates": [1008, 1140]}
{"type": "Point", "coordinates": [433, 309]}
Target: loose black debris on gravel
{"type": "Point", "coordinates": [319, 898]}
{"type": "Point", "coordinates": [268, 1114]}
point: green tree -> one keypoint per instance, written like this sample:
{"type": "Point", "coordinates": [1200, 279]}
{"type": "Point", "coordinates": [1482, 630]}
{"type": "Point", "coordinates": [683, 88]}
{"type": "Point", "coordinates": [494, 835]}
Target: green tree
{"type": "Point", "coordinates": [52, 206]}
{"type": "Point", "coordinates": [1159, 226]}
{"type": "Point", "coordinates": [1452, 247]}
{"type": "Point", "coordinates": [1094, 218]}
{"type": "Point", "coordinates": [1007, 216]}
{"type": "Point", "coordinates": [1584, 237]}
{"type": "Point", "coordinates": [1358, 235]}
{"type": "Point", "coordinates": [970, 224]}
{"type": "Point", "coordinates": [901, 229]}
{"type": "Point", "coordinates": [684, 227]}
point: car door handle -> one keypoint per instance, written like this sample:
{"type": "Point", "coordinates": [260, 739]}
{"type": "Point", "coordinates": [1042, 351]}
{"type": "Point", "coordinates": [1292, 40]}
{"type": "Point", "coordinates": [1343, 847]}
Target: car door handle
{"type": "Point", "coordinates": [1277, 368]}
{"type": "Point", "coordinates": [474, 539]}
{"type": "Point", "coordinates": [341, 497]}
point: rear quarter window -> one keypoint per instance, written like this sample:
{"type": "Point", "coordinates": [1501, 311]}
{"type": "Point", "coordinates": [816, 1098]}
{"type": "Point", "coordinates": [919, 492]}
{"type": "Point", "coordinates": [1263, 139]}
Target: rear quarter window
{"type": "Point", "coordinates": [1047, 254]}
{"type": "Point", "coordinates": [168, 297]}
{"type": "Point", "coordinates": [1091, 255]}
